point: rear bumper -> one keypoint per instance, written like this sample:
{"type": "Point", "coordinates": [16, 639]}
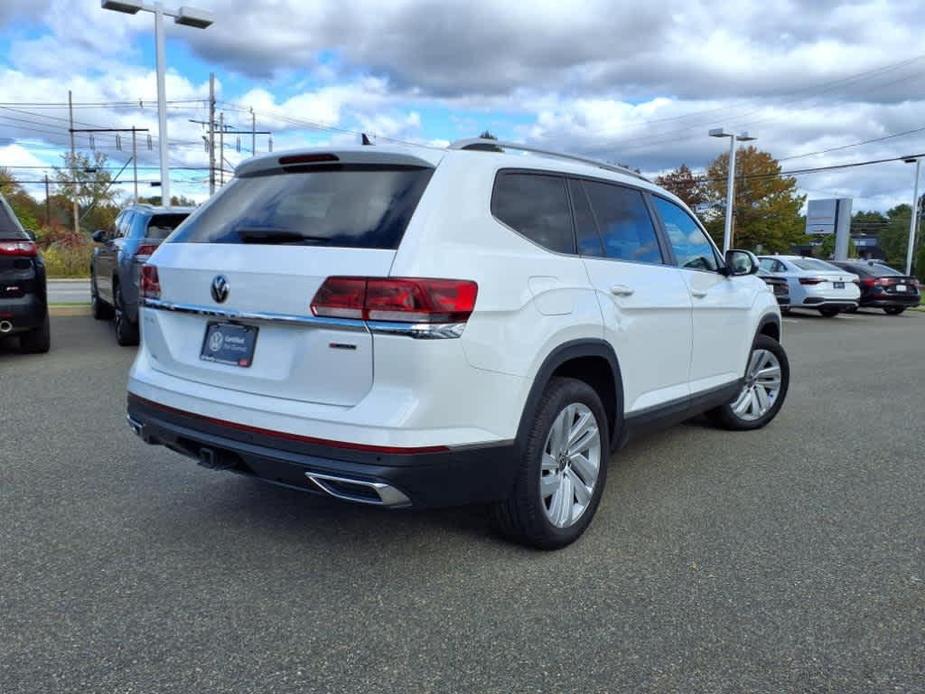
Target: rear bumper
{"type": "Point", "coordinates": [885, 301]}
{"type": "Point", "coordinates": [818, 302]}
{"type": "Point", "coordinates": [423, 478]}
{"type": "Point", "coordinates": [23, 313]}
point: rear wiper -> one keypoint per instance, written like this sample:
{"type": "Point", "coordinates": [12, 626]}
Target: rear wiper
{"type": "Point", "coordinates": [280, 236]}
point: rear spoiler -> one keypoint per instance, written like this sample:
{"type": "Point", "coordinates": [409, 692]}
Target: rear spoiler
{"type": "Point", "coordinates": [395, 156]}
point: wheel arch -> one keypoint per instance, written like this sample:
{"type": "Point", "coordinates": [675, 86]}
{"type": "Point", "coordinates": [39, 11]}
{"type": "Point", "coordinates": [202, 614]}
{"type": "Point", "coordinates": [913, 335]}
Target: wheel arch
{"type": "Point", "coordinates": [769, 325]}
{"type": "Point", "coordinates": [590, 360]}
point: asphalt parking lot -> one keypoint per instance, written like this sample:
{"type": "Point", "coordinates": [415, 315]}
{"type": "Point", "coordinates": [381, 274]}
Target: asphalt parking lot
{"type": "Point", "coordinates": [789, 559]}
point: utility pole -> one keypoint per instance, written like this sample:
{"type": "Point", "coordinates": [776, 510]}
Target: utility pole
{"type": "Point", "coordinates": [914, 221]}
{"type": "Point", "coordinates": [211, 133]}
{"type": "Point", "coordinates": [253, 133]}
{"type": "Point", "coordinates": [47, 204]}
{"type": "Point", "coordinates": [135, 162]}
{"type": "Point", "coordinates": [70, 111]}
{"type": "Point", "coordinates": [221, 147]}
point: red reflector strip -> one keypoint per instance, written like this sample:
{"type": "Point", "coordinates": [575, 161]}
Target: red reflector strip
{"type": "Point", "coordinates": [145, 249]}
{"type": "Point", "coordinates": [286, 436]}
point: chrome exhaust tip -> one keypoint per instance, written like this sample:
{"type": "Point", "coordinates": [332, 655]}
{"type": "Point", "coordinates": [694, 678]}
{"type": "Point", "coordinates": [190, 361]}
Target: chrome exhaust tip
{"type": "Point", "coordinates": [5, 326]}
{"type": "Point", "coordinates": [359, 491]}
{"type": "Point", "coordinates": [135, 425]}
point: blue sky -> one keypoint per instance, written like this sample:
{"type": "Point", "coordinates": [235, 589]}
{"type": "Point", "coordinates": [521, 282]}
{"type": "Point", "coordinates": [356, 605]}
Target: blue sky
{"type": "Point", "coordinates": [637, 84]}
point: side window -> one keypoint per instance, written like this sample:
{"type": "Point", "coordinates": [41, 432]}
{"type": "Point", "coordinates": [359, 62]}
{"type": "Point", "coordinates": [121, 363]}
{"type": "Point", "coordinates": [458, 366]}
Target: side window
{"type": "Point", "coordinates": [139, 226]}
{"type": "Point", "coordinates": [537, 206]}
{"type": "Point", "coordinates": [589, 241]}
{"type": "Point", "coordinates": [779, 266]}
{"type": "Point", "coordinates": [125, 225]}
{"type": "Point", "coordinates": [692, 248]}
{"type": "Point", "coordinates": [767, 264]}
{"type": "Point", "coordinates": [624, 222]}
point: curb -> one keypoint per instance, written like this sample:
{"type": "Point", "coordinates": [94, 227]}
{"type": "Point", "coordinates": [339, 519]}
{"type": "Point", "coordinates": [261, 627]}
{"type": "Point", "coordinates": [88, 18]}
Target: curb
{"type": "Point", "coordinates": [75, 310]}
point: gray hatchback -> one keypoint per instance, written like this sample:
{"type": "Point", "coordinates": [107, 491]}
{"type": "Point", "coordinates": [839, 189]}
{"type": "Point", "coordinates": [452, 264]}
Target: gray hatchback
{"type": "Point", "coordinates": [117, 261]}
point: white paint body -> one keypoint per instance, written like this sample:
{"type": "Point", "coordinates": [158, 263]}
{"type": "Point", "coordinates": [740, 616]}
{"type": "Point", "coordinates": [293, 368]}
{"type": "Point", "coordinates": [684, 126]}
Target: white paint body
{"type": "Point", "coordinates": [679, 332]}
{"type": "Point", "coordinates": [824, 293]}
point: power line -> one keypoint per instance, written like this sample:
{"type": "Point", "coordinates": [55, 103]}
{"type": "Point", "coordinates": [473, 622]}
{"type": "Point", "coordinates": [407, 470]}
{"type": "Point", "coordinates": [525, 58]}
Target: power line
{"type": "Point", "coordinates": [855, 144]}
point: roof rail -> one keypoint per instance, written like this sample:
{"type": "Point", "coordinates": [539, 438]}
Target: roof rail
{"type": "Point", "coordinates": [488, 145]}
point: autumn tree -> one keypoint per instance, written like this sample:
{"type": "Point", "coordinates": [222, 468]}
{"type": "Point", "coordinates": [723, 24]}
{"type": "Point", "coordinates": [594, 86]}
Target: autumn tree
{"type": "Point", "coordinates": [88, 180]}
{"type": "Point", "coordinates": [684, 184]}
{"type": "Point", "coordinates": [25, 207]}
{"type": "Point", "coordinates": [767, 205]}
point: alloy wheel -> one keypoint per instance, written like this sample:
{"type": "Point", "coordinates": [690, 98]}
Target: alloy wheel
{"type": "Point", "coordinates": [570, 466]}
{"type": "Point", "coordinates": [762, 386]}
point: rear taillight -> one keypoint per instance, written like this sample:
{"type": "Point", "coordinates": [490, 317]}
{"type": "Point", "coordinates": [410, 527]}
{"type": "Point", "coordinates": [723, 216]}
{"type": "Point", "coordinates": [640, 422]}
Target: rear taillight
{"type": "Point", "coordinates": [149, 285]}
{"type": "Point", "coordinates": [869, 281]}
{"type": "Point", "coordinates": [25, 249]}
{"type": "Point", "coordinates": [145, 250]}
{"type": "Point", "coordinates": [811, 280]}
{"type": "Point", "coordinates": [398, 299]}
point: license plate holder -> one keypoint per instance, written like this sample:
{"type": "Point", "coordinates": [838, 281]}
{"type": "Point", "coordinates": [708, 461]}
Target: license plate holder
{"type": "Point", "coordinates": [838, 285]}
{"type": "Point", "coordinates": [229, 343]}
{"type": "Point", "coordinates": [902, 288]}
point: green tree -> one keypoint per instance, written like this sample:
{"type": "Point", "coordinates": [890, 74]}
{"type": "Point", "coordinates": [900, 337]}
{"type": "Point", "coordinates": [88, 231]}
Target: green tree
{"type": "Point", "coordinates": [684, 184]}
{"type": "Point", "coordinates": [894, 238]}
{"type": "Point", "coordinates": [767, 205]}
{"type": "Point", "coordinates": [827, 248]}
{"type": "Point", "coordinates": [87, 179]}
{"type": "Point", "coordinates": [27, 209]}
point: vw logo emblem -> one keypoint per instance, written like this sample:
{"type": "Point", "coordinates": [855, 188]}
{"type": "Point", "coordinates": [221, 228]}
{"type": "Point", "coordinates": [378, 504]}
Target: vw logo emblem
{"type": "Point", "coordinates": [216, 341]}
{"type": "Point", "coordinates": [219, 289]}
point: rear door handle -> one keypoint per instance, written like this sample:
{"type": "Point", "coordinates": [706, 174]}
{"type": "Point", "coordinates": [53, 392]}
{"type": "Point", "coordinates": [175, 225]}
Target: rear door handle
{"type": "Point", "coordinates": [621, 290]}
{"type": "Point", "coordinates": [697, 294]}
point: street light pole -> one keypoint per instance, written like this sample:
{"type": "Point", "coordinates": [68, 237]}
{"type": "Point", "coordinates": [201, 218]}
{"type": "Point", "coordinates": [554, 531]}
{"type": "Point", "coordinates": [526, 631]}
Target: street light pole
{"type": "Point", "coordinates": [914, 222]}
{"type": "Point", "coordinates": [186, 16]}
{"type": "Point", "coordinates": [730, 181]}
{"type": "Point", "coordinates": [161, 104]}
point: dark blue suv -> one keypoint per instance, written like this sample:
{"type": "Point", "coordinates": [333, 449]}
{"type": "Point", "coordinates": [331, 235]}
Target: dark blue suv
{"type": "Point", "coordinates": [117, 261]}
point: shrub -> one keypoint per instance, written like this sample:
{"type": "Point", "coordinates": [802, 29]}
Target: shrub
{"type": "Point", "coordinates": [68, 260]}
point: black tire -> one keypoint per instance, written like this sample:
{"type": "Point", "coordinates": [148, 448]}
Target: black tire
{"type": "Point", "coordinates": [851, 309]}
{"type": "Point", "coordinates": [726, 417]}
{"type": "Point", "coordinates": [37, 340]}
{"type": "Point", "coordinates": [126, 331]}
{"type": "Point", "coordinates": [829, 311]}
{"type": "Point", "coordinates": [785, 310]}
{"type": "Point", "coordinates": [522, 517]}
{"type": "Point", "coordinates": [99, 308]}
{"type": "Point", "coordinates": [893, 310]}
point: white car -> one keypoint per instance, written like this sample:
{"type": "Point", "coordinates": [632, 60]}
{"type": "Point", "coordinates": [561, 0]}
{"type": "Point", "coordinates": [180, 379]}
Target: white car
{"type": "Point", "coordinates": [419, 327]}
{"type": "Point", "coordinates": [815, 284]}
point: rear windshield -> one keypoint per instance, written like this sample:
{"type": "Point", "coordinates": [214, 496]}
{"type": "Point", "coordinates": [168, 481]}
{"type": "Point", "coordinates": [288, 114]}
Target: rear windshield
{"type": "Point", "coordinates": [878, 270]}
{"type": "Point", "coordinates": [351, 206]}
{"type": "Point", "coordinates": [10, 227]}
{"type": "Point", "coordinates": [161, 225]}
{"type": "Point", "coordinates": [814, 264]}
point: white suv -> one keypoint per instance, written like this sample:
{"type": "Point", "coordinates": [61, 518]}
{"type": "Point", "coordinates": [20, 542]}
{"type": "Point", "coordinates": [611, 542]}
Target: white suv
{"type": "Point", "coordinates": [422, 327]}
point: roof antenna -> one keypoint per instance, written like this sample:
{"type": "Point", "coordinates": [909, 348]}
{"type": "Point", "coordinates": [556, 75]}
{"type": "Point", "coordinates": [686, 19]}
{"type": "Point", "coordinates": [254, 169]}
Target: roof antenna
{"type": "Point", "coordinates": [364, 140]}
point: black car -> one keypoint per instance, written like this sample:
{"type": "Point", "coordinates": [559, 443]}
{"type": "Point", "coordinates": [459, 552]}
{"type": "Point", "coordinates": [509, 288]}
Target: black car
{"type": "Point", "coordinates": [882, 286]}
{"type": "Point", "coordinates": [23, 299]}
{"type": "Point", "coordinates": [779, 286]}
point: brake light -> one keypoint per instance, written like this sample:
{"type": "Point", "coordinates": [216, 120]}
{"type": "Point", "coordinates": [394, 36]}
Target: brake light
{"type": "Point", "coordinates": [145, 250]}
{"type": "Point", "coordinates": [26, 249]}
{"type": "Point", "coordinates": [398, 299]}
{"type": "Point", "coordinates": [307, 159]}
{"type": "Point", "coordinates": [869, 281]}
{"type": "Point", "coordinates": [811, 280]}
{"type": "Point", "coordinates": [149, 285]}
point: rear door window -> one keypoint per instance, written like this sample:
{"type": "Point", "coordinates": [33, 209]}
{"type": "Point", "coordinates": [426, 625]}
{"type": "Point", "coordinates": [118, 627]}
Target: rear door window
{"type": "Point", "coordinates": [536, 206]}
{"type": "Point", "coordinates": [10, 228]}
{"type": "Point", "coordinates": [348, 206]}
{"type": "Point", "coordinates": [624, 223]}
{"type": "Point", "coordinates": [589, 240]}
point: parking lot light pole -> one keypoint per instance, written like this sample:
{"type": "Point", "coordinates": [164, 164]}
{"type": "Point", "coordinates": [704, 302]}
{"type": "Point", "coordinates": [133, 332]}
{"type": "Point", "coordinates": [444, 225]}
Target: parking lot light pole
{"type": "Point", "coordinates": [187, 16]}
{"type": "Point", "coordinates": [730, 183]}
{"type": "Point", "coordinates": [914, 222]}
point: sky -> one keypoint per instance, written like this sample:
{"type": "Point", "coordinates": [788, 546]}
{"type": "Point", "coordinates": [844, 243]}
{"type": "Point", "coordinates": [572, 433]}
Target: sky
{"type": "Point", "coordinates": [628, 82]}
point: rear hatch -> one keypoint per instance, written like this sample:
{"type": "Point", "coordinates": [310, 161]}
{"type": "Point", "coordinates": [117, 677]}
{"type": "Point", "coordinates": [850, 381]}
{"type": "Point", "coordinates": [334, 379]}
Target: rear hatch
{"type": "Point", "coordinates": [267, 241]}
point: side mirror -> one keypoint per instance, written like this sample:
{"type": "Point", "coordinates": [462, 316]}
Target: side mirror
{"type": "Point", "coordinates": [739, 262]}
{"type": "Point", "coordinates": [99, 236]}
{"type": "Point", "coordinates": [30, 234]}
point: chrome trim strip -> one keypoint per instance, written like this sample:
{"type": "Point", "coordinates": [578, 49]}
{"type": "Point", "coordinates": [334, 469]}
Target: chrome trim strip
{"type": "Point", "coordinates": [388, 495]}
{"type": "Point", "coordinates": [256, 316]}
{"type": "Point", "coordinates": [419, 331]}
